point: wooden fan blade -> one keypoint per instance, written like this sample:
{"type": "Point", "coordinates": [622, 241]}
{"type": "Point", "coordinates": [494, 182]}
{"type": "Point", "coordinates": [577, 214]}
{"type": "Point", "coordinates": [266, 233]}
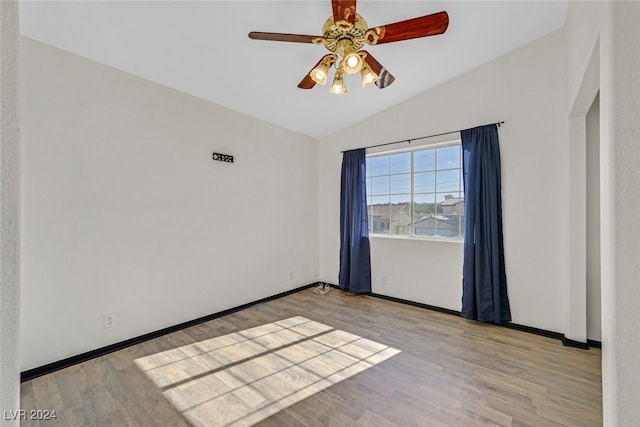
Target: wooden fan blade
{"type": "Point", "coordinates": [307, 82]}
{"type": "Point", "coordinates": [414, 28]}
{"type": "Point", "coordinates": [385, 78]}
{"type": "Point", "coordinates": [344, 10]}
{"type": "Point", "coordinates": [281, 37]}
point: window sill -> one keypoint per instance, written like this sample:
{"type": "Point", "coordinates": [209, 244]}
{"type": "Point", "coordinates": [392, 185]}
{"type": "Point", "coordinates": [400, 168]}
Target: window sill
{"type": "Point", "coordinates": [418, 238]}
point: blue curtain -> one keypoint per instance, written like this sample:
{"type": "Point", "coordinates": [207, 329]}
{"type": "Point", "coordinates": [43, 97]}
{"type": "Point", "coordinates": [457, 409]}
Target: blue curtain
{"type": "Point", "coordinates": [484, 281]}
{"type": "Point", "coordinates": [355, 259]}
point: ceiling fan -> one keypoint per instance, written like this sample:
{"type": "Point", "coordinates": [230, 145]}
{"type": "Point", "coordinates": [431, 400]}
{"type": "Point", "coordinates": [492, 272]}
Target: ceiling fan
{"type": "Point", "coordinates": [345, 33]}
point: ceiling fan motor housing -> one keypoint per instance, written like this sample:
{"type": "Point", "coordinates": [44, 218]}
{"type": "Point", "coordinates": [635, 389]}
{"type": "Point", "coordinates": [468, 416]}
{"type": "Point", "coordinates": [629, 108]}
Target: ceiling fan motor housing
{"type": "Point", "coordinates": [335, 35]}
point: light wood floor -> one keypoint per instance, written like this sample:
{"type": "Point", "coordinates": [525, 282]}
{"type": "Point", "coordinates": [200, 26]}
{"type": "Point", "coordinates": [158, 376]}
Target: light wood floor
{"type": "Point", "coordinates": [332, 360]}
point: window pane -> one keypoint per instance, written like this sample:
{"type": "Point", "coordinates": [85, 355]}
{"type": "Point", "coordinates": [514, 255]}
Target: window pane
{"type": "Point", "coordinates": [379, 211]}
{"type": "Point", "coordinates": [449, 157]}
{"type": "Point", "coordinates": [368, 181]}
{"type": "Point", "coordinates": [401, 183]}
{"type": "Point", "coordinates": [380, 185]}
{"type": "Point", "coordinates": [401, 199]}
{"type": "Point", "coordinates": [447, 226]}
{"type": "Point", "coordinates": [428, 198]}
{"type": "Point", "coordinates": [425, 227]}
{"type": "Point", "coordinates": [400, 219]}
{"type": "Point", "coordinates": [424, 204]}
{"type": "Point", "coordinates": [424, 208]}
{"type": "Point", "coordinates": [368, 167]}
{"type": "Point", "coordinates": [424, 160]}
{"type": "Point", "coordinates": [448, 180]}
{"type": "Point", "coordinates": [450, 226]}
{"type": "Point", "coordinates": [401, 163]}
{"type": "Point", "coordinates": [449, 203]}
{"type": "Point", "coordinates": [424, 182]}
{"type": "Point", "coordinates": [379, 200]}
{"type": "Point", "coordinates": [380, 165]}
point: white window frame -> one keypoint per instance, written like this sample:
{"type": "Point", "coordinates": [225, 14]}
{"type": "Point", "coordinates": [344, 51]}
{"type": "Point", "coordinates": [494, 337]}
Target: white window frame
{"type": "Point", "coordinates": [412, 150]}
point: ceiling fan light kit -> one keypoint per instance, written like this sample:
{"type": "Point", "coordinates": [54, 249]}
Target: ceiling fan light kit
{"type": "Point", "coordinates": [338, 86]}
{"type": "Point", "coordinates": [320, 73]}
{"type": "Point", "coordinates": [368, 76]}
{"type": "Point", "coordinates": [352, 63]}
{"type": "Point", "coordinates": [345, 33]}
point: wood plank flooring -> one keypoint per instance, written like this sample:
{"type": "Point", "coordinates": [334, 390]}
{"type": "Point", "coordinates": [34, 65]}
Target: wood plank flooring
{"type": "Point", "coordinates": [329, 360]}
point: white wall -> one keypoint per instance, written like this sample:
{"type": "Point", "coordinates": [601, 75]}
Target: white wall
{"type": "Point", "coordinates": [9, 211]}
{"type": "Point", "coordinates": [583, 61]}
{"type": "Point", "coordinates": [593, 221]}
{"type": "Point", "coordinates": [528, 90]}
{"type": "Point", "coordinates": [612, 28]}
{"type": "Point", "coordinates": [620, 92]}
{"type": "Point", "coordinates": [583, 26]}
{"type": "Point", "coordinates": [125, 212]}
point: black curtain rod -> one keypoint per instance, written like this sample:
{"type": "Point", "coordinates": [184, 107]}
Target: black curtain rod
{"type": "Point", "coordinates": [423, 137]}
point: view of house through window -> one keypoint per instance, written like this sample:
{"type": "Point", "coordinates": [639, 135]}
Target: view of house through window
{"type": "Point", "coordinates": [416, 193]}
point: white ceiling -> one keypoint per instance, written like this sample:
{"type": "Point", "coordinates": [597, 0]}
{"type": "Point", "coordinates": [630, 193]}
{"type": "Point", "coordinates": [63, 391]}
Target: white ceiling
{"type": "Point", "coordinates": [201, 48]}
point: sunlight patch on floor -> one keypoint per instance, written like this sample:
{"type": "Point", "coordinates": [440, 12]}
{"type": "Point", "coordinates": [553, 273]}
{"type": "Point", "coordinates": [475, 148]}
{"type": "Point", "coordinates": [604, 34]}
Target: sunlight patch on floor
{"type": "Point", "coordinates": [244, 377]}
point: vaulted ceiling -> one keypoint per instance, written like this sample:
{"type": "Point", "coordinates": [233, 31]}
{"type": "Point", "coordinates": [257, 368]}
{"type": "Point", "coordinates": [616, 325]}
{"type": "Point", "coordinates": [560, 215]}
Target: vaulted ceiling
{"type": "Point", "coordinates": [202, 48]}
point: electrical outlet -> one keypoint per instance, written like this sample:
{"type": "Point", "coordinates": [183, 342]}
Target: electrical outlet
{"type": "Point", "coordinates": [291, 275]}
{"type": "Point", "coordinates": [109, 321]}
{"type": "Point", "coordinates": [385, 281]}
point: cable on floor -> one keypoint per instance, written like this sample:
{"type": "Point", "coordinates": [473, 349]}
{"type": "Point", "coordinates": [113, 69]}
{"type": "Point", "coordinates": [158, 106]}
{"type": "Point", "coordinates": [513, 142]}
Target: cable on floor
{"type": "Point", "coordinates": [322, 288]}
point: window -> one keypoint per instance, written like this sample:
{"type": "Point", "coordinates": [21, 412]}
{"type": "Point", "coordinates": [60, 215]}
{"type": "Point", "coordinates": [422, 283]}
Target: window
{"type": "Point", "coordinates": [416, 193]}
